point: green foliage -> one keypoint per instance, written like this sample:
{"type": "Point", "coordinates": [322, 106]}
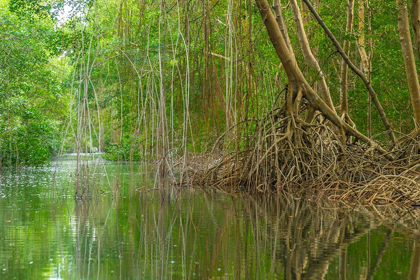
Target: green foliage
{"type": "Point", "coordinates": [140, 71]}
{"type": "Point", "coordinates": [128, 150]}
{"type": "Point", "coordinates": [31, 144]}
{"type": "Point", "coordinates": [25, 8]}
{"type": "Point", "coordinates": [33, 102]}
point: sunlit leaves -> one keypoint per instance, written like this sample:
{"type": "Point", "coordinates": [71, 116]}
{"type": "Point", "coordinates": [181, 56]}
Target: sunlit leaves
{"type": "Point", "coordinates": [32, 100]}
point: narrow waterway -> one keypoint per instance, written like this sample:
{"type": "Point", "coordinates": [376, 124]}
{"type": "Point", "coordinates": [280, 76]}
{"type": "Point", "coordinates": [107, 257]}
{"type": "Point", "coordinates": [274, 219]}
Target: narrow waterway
{"type": "Point", "coordinates": [123, 229]}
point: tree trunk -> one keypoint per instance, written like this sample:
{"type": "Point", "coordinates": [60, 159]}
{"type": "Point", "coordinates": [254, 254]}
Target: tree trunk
{"type": "Point", "coordinates": [278, 40]}
{"type": "Point", "coordinates": [344, 74]}
{"type": "Point", "coordinates": [409, 62]}
{"type": "Point", "coordinates": [355, 70]}
{"type": "Point", "coordinates": [361, 43]}
{"type": "Point", "coordinates": [415, 21]}
{"type": "Point", "coordinates": [282, 25]}
{"type": "Point", "coordinates": [415, 262]}
{"type": "Point", "coordinates": [297, 80]}
{"type": "Point", "coordinates": [370, 57]}
{"type": "Point", "coordinates": [305, 14]}
{"type": "Point", "coordinates": [365, 59]}
{"type": "Point", "coordinates": [309, 57]}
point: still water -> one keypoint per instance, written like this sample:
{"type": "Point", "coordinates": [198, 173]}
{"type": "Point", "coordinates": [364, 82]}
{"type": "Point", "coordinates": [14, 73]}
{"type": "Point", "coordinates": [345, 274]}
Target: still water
{"type": "Point", "coordinates": [123, 229]}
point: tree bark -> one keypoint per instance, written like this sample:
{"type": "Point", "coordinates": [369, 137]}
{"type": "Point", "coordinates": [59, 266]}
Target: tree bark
{"type": "Point", "coordinates": [305, 14]}
{"type": "Point", "coordinates": [361, 43]}
{"type": "Point", "coordinates": [308, 55]}
{"type": "Point", "coordinates": [278, 40]}
{"type": "Point", "coordinates": [415, 21]}
{"type": "Point", "coordinates": [409, 61]}
{"type": "Point", "coordinates": [344, 74]}
{"type": "Point", "coordinates": [282, 25]}
{"type": "Point", "coordinates": [297, 79]}
{"type": "Point", "coordinates": [365, 59]}
{"type": "Point", "coordinates": [359, 73]}
{"type": "Point", "coordinates": [415, 262]}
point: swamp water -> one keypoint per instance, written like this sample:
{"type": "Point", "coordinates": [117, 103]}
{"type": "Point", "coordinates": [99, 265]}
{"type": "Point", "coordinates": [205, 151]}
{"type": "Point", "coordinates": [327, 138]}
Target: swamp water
{"type": "Point", "coordinates": [126, 231]}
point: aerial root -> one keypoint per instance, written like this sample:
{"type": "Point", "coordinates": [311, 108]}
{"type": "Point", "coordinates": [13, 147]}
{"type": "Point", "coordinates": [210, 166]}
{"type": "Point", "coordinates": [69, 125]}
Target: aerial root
{"type": "Point", "coordinates": [287, 154]}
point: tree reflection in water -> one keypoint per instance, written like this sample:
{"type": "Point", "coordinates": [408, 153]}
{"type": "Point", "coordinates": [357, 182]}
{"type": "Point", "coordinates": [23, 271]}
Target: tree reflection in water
{"type": "Point", "coordinates": [212, 236]}
{"type": "Point", "coordinates": [130, 232]}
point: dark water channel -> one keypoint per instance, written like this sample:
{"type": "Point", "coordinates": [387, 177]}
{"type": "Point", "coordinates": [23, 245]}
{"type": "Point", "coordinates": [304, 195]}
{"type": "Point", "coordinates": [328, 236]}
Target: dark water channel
{"type": "Point", "coordinates": [126, 231]}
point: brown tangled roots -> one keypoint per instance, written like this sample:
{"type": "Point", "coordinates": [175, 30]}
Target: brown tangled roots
{"type": "Point", "coordinates": [287, 154]}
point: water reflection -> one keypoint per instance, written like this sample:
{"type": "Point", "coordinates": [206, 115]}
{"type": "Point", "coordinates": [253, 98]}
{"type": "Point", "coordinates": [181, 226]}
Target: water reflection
{"type": "Point", "coordinates": [126, 231]}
